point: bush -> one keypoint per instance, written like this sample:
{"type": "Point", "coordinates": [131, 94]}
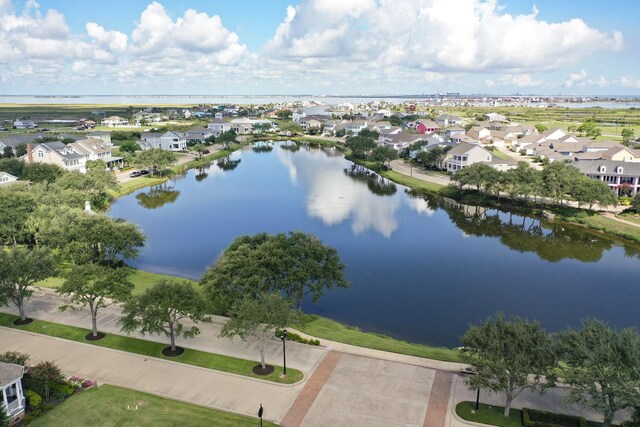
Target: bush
{"type": "Point", "coordinates": [62, 389]}
{"type": "Point", "coordinates": [34, 401]}
{"type": "Point", "coordinates": [535, 418]}
{"type": "Point", "coordinates": [292, 336]}
{"type": "Point", "coordinates": [625, 201]}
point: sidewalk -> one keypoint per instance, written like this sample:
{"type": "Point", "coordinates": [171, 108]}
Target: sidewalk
{"type": "Point", "coordinates": [164, 378]}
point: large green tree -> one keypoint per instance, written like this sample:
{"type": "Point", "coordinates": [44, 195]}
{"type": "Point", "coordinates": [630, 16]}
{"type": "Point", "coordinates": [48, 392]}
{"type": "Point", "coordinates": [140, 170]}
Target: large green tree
{"type": "Point", "coordinates": [95, 185]}
{"type": "Point", "coordinates": [42, 172]}
{"type": "Point", "coordinates": [162, 309]}
{"type": "Point", "coordinates": [627, 135]}
{"type": "Point", "coordinates": [602, 367]}
{"type": "Point", "coordinates": [559, 180]}
{"type": "Point", "coordinates": [509, 357]}
{"type": "Point", "coordinates": [16, 204]}
{"type": "Point", "coordinates": [590, 129]}
{"type": "Point", "coordinates": [297, 264]}
{"type": "Point", "coordinates": [589, 191]}
{"type": "Point", "coordinates": [46, 375]}
{"type": "Point", "coordinates": [383, 155]}
{"type": "Point", "coordinates": [154, 159]}
{"type": "Point", "coordinates": [97, 287]}
{"type": "Point", "coordinates": [258, 318]}
{"type": "Point", "coordinates": [360, 146]}
{"type": "Point", "coordinates": [20, 270]}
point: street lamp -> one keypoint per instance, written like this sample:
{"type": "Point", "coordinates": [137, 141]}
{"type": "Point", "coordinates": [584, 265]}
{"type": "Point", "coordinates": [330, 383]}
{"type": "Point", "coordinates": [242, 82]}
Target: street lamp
{"type": "Point", "coordinates": [260, 411]}
{"type": "Point", "coordinates": [283, 337]}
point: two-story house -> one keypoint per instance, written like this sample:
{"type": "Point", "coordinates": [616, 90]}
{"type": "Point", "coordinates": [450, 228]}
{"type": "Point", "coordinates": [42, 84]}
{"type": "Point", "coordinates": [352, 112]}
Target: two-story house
{"type": "Point", "coordinates": [219, 126]}
{"type": "Point", "coordinates": [465, 154]}
{"type": "Point", "coordinates": [12, 399]}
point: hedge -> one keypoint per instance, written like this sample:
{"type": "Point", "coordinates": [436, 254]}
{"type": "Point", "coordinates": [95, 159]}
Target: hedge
{"type": "Point", "coordinates": [535, 418]}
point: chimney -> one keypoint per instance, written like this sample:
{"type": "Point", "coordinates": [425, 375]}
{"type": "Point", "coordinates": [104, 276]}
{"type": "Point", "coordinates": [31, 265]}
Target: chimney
{"type": "Point", "coordinates": [30, 153]}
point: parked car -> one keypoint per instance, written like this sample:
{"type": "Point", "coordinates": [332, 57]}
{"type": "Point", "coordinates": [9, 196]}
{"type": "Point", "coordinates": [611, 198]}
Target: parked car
{"type": "Point", "coordinates": [144, 172]}
{"type": "Point", "coordinates": [135, 174]}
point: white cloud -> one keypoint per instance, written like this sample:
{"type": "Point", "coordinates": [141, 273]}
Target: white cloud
{"type": "Point", "coordinates": [115, 41]}
{"type": "Point", "coordinates": [629, 82]}
{"type": "Point", "coordinates": [437, 35]}
{"type": "Point", "coordinates": [575, 78]}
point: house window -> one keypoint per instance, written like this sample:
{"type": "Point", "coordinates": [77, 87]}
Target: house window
{"type": "Point", "coordinates": [602, 169]}
{"type": "Point", "coordinates": [40, 154]}
{"type": "Point", "coordinates": [619, 169]}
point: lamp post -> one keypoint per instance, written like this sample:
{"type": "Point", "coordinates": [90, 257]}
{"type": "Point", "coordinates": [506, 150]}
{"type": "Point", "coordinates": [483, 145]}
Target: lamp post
{"type": "Point", "coordinates": [478, 400]}
{"type": "Point", "coordinates": [283, 337]}
{"type": "Point", "coordinates": [260, 411]}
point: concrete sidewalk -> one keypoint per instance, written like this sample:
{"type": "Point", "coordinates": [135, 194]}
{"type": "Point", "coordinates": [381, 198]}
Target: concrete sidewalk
{"type": "Point", "coordinates": [45, 302]}
{"type": "Point", "coordinates": [169, 379]}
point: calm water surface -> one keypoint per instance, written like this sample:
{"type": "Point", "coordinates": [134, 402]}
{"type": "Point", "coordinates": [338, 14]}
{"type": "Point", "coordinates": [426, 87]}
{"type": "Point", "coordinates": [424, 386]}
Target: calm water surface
{"type": "Point", "coordinates": [422, 269]}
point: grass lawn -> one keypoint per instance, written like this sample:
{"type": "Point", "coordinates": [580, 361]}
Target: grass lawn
{"type": "Point", "coordinates": [148, 348]}
{"type": "Point", "coordinates": [136, 184]}
{"type": "Point", "coordinates": [499, 154]}
{"type": "Point", "coordinates": [142, 280]}
{"type": "Point", "coordinates": [631, 218]}
{"type": "Point", "coordinates": [611, 226]}
{"type": "Point", "coordinates": [487, 414]}
{"type": "Point", "coordinates": [322, 327]}
{"type": "Point", "coordinates": [107, 406]}
{"type": "Point", "coordinates": [414, 183]}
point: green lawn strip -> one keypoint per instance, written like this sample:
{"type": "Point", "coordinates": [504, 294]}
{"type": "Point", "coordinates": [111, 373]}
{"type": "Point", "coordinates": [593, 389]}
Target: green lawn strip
{"type": "Point", "coordinates": [148, 348]}
{"type": "Point", "coordinates": [414, 183]}
{"type": "Point", "coordinates": [142, 280]}
{"type": "Point", "coordinates": [136, 184]}
{"type": "Point", "coordinates": [499, 154]}
{"type": "Point", "coordinates": [604, 224]}
{"type": "Point", "coordinates": [109, 406]}
{"type": "Point", "coordinates": [631, 218]}
{"type": "Point", "coordinates": [487, 414]}
{"type": "Point", "coordinates": [322, 327]}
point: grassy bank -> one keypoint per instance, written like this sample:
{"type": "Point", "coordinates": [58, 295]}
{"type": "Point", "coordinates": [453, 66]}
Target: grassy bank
{"type": "Point", "coordinates": [322, 327]}
{"type": "Point", "coordinates": [601, 223]}
{"type": "Point", "coordinates": [109, 405]}
{"type": "Point", "coordinates": [142, 280]}
{"type": "Point", "coordinates": [203, 359]}
{"type": "Point", "coordinates": [487, 414]}
{"type": "Point", "coordinates": [136, 184]}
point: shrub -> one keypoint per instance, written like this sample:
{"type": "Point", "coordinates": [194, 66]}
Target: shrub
{"type": "Point", "coordinates": [292, 336]}
{"type": "Point", "coordinates": [15, 358]}
{"type": "Point", "coordinates": [62, 389]}
{"type": "Point", "coordinates": [34, 401]}
{"type": "Point", "coordinates": [535, 418]}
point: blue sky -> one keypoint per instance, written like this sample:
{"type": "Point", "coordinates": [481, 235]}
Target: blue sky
{"type": "Point", "coordinates": [319, 47]}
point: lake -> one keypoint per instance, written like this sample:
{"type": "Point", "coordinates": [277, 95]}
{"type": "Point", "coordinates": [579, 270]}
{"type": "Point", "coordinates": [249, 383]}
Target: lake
{"type": "Point", "coordinates": [422, 268]}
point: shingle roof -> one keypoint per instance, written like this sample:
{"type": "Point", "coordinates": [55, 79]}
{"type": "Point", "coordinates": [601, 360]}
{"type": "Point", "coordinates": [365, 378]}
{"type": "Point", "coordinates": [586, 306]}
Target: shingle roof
{"type": "Point", "coordinates": [9, 373]}
{"type": "Point", "coordinates": [592, 166]}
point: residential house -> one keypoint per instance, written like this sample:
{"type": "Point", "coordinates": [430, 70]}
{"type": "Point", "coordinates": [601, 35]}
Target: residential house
{"type": "Point", "coordinates": [331, 126]}
{"type": "Point", "coordinates": [296, 115]}
{"type": "Point", "coordinates": [149, 140]}
{"type": "Point", "coordinates": [218, 116]}
{"type": "Point", "coordinates": [566, 148]}
{"type": "Point", "coordinates": [479, 133]}
{"type": "Point", "coordinates": [401, 140]}
{"type": "Point", "coordinates": [246, 126]}
{"type": "Point", "coordinates": [380, 125]}
{"type": "Point", "coordinates": [172, 141]}
{"type": "Point", "coordinates": [12, 399]}
{"type": "Point", "coordinates": [115, 121]}
{"type": "Point", "coordinates": [311, 122]}
{"type": "Point", "coordinates": [425, 126]}
{"type": "Point", "coordinates": [355, 126]}
{"type": "Point", "coordinates": [429, 147]}
{"type": "Point", "coordinates": [621, 154]}
{"type": "Point", "coordinates": [24, 124]}
{"type": "Point", "coordinates": [7, 178]}
{"type": "Point", "coordinates": [55, 153]}
{"type": "Point", "coordinates": [96, 149]}
{"type": "Point", "coordinates": [464, 154]}
{"type": "Point", "coordinates": [452, 131]}
{"type": "Point", "coordinates": [622, 177]}
{"type": "Point", "coordinates": [528, 143]}
{"type": "Point", "coordinates": [555, 133]}
{"type": "Point", "coordinates": [445, 120]}
{"type": "Point", "coordinates": [604, 145]}
{"type": "Point", "coordinates": [198, 135]}
{"type": "Point", "coordinates": [101, 135]}
{"type": "Point", "coordinates": [219, 126]}
{"type": "Point", "coordinates": [495, 117]}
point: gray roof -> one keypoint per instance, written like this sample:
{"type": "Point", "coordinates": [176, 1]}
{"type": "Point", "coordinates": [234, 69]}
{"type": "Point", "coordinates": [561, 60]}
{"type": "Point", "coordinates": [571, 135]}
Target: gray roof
{"type": "Point", "coordinates": [463, 147]}
{"type": "Point", "coordinates": [100, 132]}
{"type": "Point", "coordinates": [592, 166]}
{"type": "Point", "coordinates": [9, 373]}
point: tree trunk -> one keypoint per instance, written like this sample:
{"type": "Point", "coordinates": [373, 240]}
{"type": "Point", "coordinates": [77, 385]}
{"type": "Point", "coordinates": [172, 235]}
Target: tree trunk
{"type": "Point", "coordinates": [94, 324]}
{"type": "Point", "coordinates": [172, 334]}
{"type": "Point", "coordinates": [261, 345]}
{"type": "Point", "coordinates": [507, 406]}
{"type": "Point", "coordinates": [20, 304]}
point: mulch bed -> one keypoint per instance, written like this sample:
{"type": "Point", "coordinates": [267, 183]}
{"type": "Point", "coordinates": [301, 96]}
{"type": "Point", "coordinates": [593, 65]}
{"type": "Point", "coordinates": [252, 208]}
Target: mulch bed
{"type": "Point", "coordinates": [20, 322]}
{"type": "Point", "coordinates": [91, 337]}
{"type": "Point", "coordinates": [268, 369]}
{"type": "Point", "coordinates": [173, 353]}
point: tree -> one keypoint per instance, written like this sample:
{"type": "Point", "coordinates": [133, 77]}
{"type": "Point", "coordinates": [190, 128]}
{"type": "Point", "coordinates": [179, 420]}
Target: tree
{"type": "Point", "coordinates": [20, 269]}
{"type": "Point", "coordinates": [383, 155]}
{"type": "Point", "coordinates": [292, 127]}
{"type": "Point", "coordinates": [21, 150]}
{"type": "Point", "coordinates": [4, 417]}
{"type": "Point", "coordinates": [590, 129]}
{"type": "Point", "coordinates": [369, 134]}
{"type": "Point", "coordinates": [590, 191]}
{"type": "Point", "coordinates": [227, 138]}
{"type": "Point", "coordinates": [7, 152]}
{"type": "Point", "coordinates": [15, 207]}
{"type": "Point", "coordinates": [540, 127]}
{"type": "Point", "coordinates": [284, 114]}
{"type": "Point", "coordinates": [42, 172]}
{"type": "Point", "coordinates": [360, 146]}
{"type": "Point", "coordinates": [154, 159]}
{"type": "Point", "coordinates": [602, 367]}
{"type": "Point", "coordinates": [627, 135]}
{"type": "Point", "coordinates": [13, 166]}
{"type": "Point", "coordinates": [509, 357]}
{"type": "Point", "coordinates": [480, 175]}
{"type": "Point", "coordinates": [635, 203]}
{"type": "Point", "coordinates": [92, 165]}
{"type": "Point", "coordinates": [261, 127]}
{"type": "Point", "coordinates": [161, 309]}
{"type": "Point", "coordinates": [559, 179]}
{"type": "Point", "coordinates": [97, 287]}
{"type": "Point", "coordinates": [258, 318]}
{"type": "Point", "coordinates": [200, 149]}
{"type": "Point", "coordinates": [395, 121]}
{"type": "Point", "coordinates": [95, 185]}
{"type": "Point", "coordinates": [297, 264]}
{"type": "Point", "coordinates": [46, 375]}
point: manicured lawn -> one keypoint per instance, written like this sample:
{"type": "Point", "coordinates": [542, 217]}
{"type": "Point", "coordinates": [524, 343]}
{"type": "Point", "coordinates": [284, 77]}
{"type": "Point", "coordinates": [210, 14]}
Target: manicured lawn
{"type": "Point", "coordinates": [136, 184]}
{"type": "Point", "coordinates": [148, 348]}
{"type": "Point", "coordinates": [499, 154]}
{"type": "Point", "coordinates": [611, 226]}
{"type": "Point", "coordinates": [631, 218]}
{"type": "Point", "coordinates": [141, 279]}
{"type": "Point", "coordinates": [486, 414]}
{"type": "Point", "coordinates": [415, 183]}
{"type": "Point", "coordinates": [109, 405]}
{"type": "Point", "coordinates": [322, 327]}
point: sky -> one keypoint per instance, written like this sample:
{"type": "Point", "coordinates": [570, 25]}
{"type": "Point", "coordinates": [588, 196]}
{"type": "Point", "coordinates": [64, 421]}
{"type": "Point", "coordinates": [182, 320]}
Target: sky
{"type": "Point", "coordinates": [319, 47]}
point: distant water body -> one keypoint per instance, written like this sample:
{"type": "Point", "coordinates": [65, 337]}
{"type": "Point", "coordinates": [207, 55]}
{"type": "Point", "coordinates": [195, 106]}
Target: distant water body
{"type": "Point", "coordinates": [236, 99]}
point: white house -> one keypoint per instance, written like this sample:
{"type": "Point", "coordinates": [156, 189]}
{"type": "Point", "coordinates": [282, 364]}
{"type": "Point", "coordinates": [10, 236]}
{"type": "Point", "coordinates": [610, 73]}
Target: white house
{"type": "Point", "coordinates": [297, 115]}
{"type": "Point", "coordinates": [24, 124]}
{"type": "Point", "coordinates": [115, 121]}
{"type": "Point", "coordinates": [622, 177]}
{"type": "Point", "coordinates": [7, 178]}
{"type": "Point", "coordinates": [465, 154]}
{"type": "Point", "coordinates": [172, 141]}
{"type": "Point", "coordinates": [55, 153]}
{"type": "Point", "coordinates": [11, 392]}
{"type": "Point", "coordinates": [96, 149]}
{"type": "Point", "coordinates": [444, 120]}
{"type": "Point", "coordinates": [495, 117]}
{"type": "Point", "coordinates": [354, 127]}
{"type": "Point", "coordinates": [219, 126]}
{"type": "Point", "coordinates": [101, 135]}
